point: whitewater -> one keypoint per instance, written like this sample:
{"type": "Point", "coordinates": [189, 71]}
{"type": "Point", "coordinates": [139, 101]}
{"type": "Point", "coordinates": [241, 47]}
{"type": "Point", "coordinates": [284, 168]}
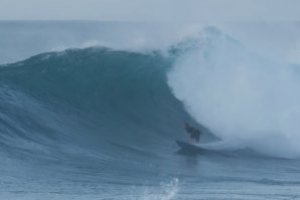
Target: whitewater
{"type": "Point", "coordinates": [92, 110]}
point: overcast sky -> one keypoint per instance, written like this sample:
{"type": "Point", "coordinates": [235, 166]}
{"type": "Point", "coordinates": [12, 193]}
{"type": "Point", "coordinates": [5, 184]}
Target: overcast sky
{"type": "Point", "coordinates": [150, 10]}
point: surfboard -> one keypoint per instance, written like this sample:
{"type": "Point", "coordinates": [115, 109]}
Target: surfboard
{"type": "Point", "coordinates": [189, 148]}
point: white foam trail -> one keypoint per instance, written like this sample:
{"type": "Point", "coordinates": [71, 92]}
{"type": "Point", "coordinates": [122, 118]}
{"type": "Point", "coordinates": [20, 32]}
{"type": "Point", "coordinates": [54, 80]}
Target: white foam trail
{"type": "Point", "coordinates": [243, 98]}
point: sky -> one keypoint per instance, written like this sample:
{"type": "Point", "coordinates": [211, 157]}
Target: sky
{"type": "Point", "coordinates": [151, 10]}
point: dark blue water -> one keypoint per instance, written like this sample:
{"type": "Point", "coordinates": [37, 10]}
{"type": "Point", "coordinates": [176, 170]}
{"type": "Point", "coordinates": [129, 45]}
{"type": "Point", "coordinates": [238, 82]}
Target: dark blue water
{"type": "Point", "coordinates": [98, 123]}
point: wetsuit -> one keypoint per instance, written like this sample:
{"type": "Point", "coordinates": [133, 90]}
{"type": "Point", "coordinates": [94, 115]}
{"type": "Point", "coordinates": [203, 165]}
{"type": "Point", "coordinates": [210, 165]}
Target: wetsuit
{"type": "Point", "coordinates": [194, 133]}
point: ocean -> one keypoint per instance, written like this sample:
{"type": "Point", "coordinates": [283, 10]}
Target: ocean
{"type": "Point", "coordinates": [92, 110]}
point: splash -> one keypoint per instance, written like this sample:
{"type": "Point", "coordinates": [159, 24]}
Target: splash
{"type": "Point", "coordinates": [244, 98]}
{"type": "Point", "coordinates": [167, 191]}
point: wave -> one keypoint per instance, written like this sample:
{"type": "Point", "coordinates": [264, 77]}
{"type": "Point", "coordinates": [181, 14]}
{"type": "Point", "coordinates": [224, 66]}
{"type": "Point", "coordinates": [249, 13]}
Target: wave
{"type": "Point", "coordinates": [104, 103]}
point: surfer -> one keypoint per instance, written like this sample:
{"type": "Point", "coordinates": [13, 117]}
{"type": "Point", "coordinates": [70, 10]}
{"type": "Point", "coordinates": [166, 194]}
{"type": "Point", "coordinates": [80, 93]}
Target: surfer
{"type": "Point", "coordinates": [194, 134]}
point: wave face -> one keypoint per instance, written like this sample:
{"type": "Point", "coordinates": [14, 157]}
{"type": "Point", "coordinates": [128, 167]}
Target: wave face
{"type": "Point", "coordinates": [111, 99]}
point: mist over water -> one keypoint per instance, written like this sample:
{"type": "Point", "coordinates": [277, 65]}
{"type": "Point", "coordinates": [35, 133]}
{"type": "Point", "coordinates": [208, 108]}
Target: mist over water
{"type": "Point", "coordinates": [247, 100]}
